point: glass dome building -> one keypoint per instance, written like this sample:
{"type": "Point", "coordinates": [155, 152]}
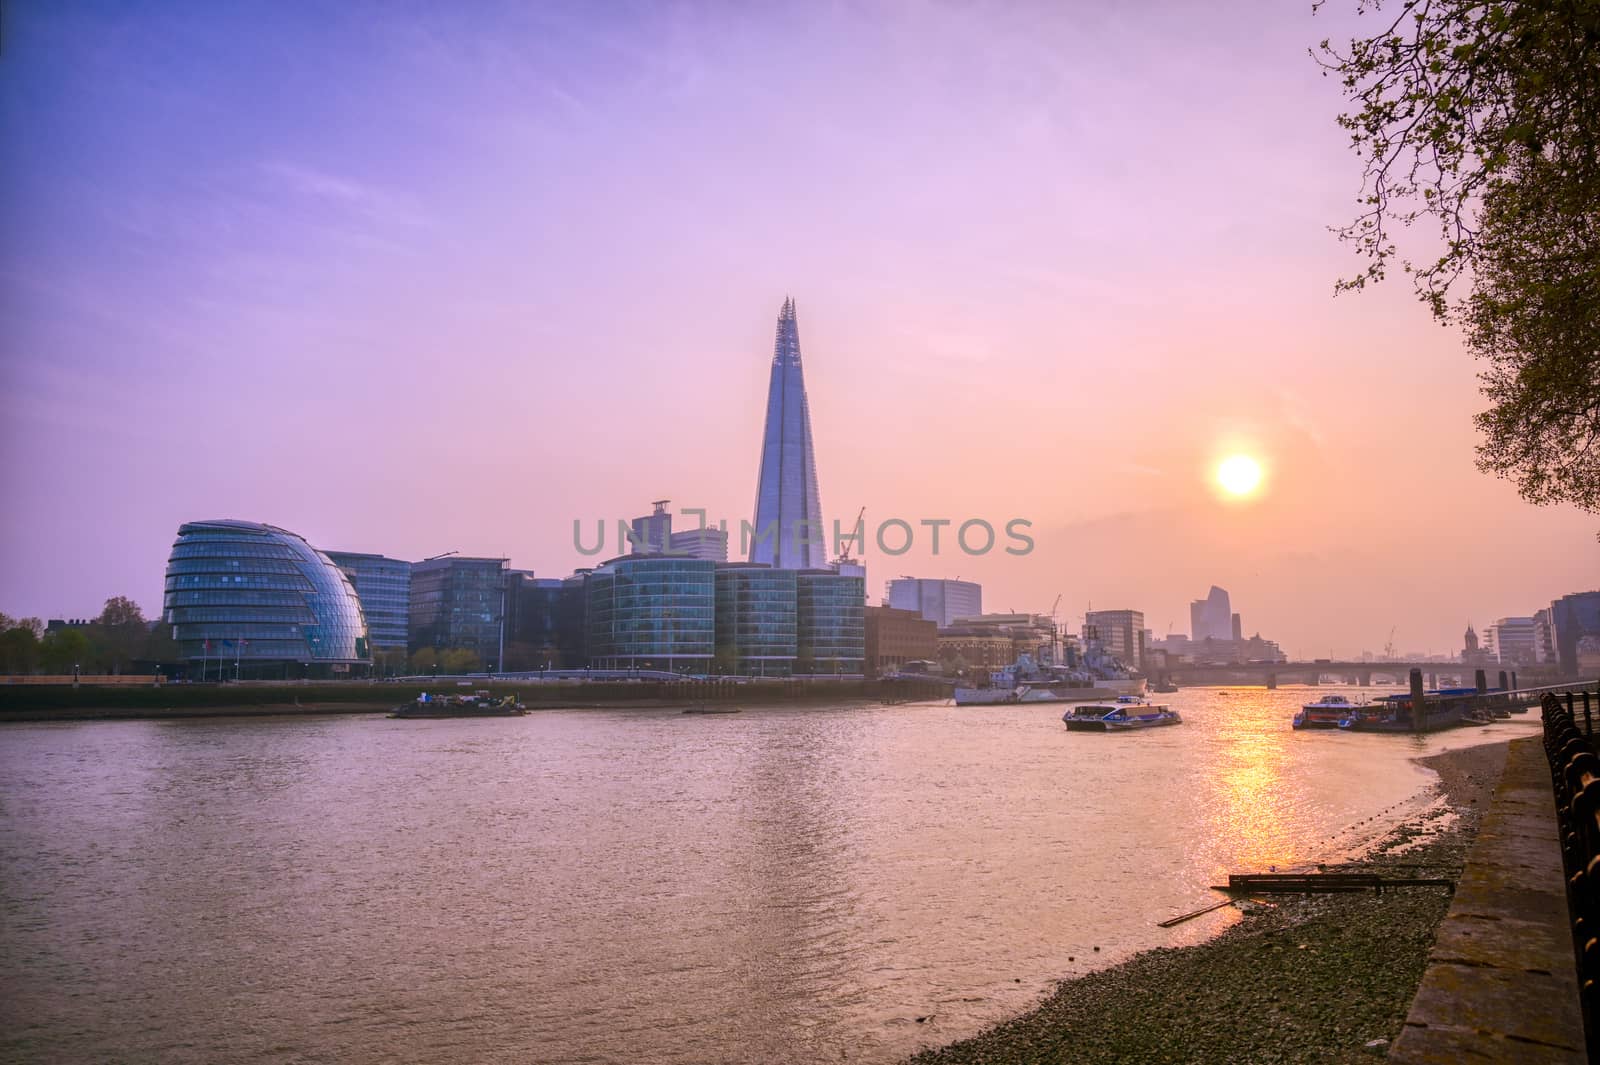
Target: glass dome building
{"type": "Point", "coordinates": [262, 602]}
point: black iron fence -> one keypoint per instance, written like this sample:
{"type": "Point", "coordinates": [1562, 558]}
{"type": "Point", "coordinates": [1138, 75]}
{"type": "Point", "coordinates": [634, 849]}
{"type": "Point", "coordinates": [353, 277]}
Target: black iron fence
{"type": "Point", "coordinates": [1569, 721]}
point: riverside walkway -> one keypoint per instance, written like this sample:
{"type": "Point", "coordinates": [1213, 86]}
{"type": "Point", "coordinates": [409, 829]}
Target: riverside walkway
{"type": "Point", "coordinates": [1501, 985]}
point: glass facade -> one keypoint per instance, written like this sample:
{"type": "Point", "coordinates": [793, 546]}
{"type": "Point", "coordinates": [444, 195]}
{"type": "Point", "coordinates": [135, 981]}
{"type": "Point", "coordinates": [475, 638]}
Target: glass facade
{"type": "Point", "coordinates": [544, 622]}
{"type": "Point", "coordinates": [831, 625]}
{"type": "Point", "coordinates": [652, 612]}
{"type": "Point", "coordinates": [262, 602]}
{"type": "Point", "coordinates": [788, 530]}
{"type": "Point", "coordinates": [384, 587]}
{"type": "Point", "coordinates": [756, 620]}
{"type": "Point", "coordinates": [458, 603]}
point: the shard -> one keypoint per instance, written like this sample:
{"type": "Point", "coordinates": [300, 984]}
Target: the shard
{"type": "Point", "coordinates": [788, 528]}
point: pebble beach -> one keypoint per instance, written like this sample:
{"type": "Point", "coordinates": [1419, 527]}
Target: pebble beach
{"type": "Point", "coordinates": [1321, 978]}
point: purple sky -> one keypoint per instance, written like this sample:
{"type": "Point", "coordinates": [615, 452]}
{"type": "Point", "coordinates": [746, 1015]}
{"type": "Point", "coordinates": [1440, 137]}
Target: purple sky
{"type": "Point", "coordinates": [445, 278]}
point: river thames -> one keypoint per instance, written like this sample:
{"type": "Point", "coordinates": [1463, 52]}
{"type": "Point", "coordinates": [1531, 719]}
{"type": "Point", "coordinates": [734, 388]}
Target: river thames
{"type": "Point", "coordinates": [836, 884]}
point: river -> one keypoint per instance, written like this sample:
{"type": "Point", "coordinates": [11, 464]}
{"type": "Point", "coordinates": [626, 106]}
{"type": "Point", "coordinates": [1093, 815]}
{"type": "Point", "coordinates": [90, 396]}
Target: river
{"type": "Point", "coordinates": [627, 886]}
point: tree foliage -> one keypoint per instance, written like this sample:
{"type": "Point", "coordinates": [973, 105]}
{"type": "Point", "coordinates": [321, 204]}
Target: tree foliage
{"type": "Point", "coordinates": [1485, 118]}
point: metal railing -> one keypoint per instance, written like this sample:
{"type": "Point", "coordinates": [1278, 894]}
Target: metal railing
{"type": "Point", "coordinates": [1569, 722]}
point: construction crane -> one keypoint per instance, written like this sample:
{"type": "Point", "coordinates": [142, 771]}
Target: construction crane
{"type": "Point", "coordinates": [846, 541]}
{"type": "Point", "coordinates": [435, 558]}
{"type": "Point", "coordinates": [1388, 647]}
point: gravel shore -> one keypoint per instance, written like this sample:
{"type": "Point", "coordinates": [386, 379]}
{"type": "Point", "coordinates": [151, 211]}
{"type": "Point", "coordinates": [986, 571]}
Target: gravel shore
{"type": "Point", "coordinates": [1327, 978]}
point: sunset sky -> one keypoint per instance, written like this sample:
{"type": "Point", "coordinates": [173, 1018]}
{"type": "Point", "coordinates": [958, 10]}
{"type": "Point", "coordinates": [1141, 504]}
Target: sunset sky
{"type": "Point", "coordinates": [418, 278]}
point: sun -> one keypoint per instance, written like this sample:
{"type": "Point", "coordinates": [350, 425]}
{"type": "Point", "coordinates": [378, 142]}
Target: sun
{"type": "Point", "coordinates": [1239, 476]}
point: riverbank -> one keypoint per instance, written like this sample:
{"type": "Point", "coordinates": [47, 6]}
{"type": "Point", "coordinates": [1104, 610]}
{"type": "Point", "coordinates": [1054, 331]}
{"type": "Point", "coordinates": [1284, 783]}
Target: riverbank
{"type": "Point", "coordinates": [1326, 979]}
{"type": "Point", "coordinates": [35, 703]}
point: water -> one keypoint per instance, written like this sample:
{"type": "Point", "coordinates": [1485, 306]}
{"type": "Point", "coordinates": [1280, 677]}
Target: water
{"type": "Point", "coordinates": [626, 886]}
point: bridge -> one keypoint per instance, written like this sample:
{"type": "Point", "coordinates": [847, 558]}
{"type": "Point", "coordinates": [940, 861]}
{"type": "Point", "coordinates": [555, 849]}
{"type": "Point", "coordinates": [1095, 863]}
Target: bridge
{"type": "Point", "coordinates": [1323, 671]}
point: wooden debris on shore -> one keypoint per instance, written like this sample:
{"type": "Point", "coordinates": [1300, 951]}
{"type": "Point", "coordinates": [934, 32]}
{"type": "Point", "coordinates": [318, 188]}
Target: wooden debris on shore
{"type": "Point", "coordinates": [1308, 883]}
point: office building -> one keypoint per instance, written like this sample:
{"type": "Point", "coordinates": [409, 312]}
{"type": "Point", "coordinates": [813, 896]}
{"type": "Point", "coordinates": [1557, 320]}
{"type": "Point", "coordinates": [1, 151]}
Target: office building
{"type": "Point", "coordinates": [1120, 633]}
{"type": "Point", "coordinates": [1212, 617]}
{"type": "Point", "coordinates": [1575, 626]}
{"type": "Point", "coordinates": [756, 620]}
{"type": "Point", "coordinates": [1544, 637]}
{"type": "Point", "coordinates": [896, 637]}
{"type": "Point", "coordinates": [939, 601]}
{"type": "Point", "coordinates": [651, 532]}
{"type": "Point", "coordinates": [830, 623]}
{"type": "Point", "coordinates": [708, 543]}
{"type": "Point", "coordinates": [789, 533]}
{"type": "Point", "coordinates": [384, 587]}
{"type": "Point", "coordinates": [459, 602]}
{"type": "Point", "coordinates": [1511, 641]}
{"type": "Point", "coordinates": [253, 600]}
{"type": "Point", "coordinates": [544, 622]}
{"type": "Point", "coordinates": [653, 612]}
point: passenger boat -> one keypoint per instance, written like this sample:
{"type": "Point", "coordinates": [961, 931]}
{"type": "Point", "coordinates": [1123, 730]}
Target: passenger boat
{"type": "Point", "coordinates": [478, 704]}
{"type": "Point", "coordinates": [712, 710]}
{"type": "Point", "coordinates": [1123, 715]}
{"type": "Point", "coordinates": [1328, 712]}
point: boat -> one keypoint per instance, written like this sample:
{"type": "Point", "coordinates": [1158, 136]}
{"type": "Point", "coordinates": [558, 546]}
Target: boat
{"type": "Point", "coordinates": [1121, 716]}
{"type": "Point", "coordinates": [478, 704]}
{"type": "Point", "coordinates": [1392, 713]}
{"type": "Point", "coordinates": [711, 710]}
{"type": "Point", "coordinates": [1165, 687]}
{"type": "Point", "coordinates": [1327, 712]}
{"type": "Point", "coordinates": [1097, 677]}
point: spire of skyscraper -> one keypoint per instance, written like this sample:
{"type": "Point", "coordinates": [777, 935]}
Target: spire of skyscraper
{"type": "Point", "coordinates": [788, 507]}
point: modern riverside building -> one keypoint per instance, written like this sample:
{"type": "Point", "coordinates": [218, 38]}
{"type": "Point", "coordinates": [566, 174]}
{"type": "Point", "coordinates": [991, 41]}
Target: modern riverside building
{"type": "Point", "coordinates": [1121, 632]}
{"type": "Point", "coordinates": [700, 543]}
{"type": "Point", "coordinates": [261, 602]}
{"type": "Point", "coordinates": [756, 620]}
{"type": "Point", "coordinates": [384, 587]}
{"type": "Point", "coordinates": [789, 533]}
{"type": "Point", "coordinates": [544, 622]}
{"type": "Point", "coordinates": [940, 601]}
{"type": "Point", "coordinates": [830, 622]}
{"type": "Point", "coordinates": [1575, 625]}
{"type": "Point", "coordinates": [652, 612]}
{"type": "Point", "coordinates": [1511, 641]}
{"type": "Point", "coordinates": [459, 602]}
{"type": "Point", "coordinates": [896, 637]}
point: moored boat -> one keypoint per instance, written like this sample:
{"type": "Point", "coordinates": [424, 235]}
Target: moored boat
{"type": "Point", "coordinates": [478, 704]}
{"type": "Point", "coordinates": [1121, 716]}
{"type": "Point", "coordinates": [1392, 713]}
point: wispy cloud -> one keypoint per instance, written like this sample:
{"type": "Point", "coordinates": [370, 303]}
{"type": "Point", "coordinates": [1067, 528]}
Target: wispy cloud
{"type": "Point", "coordinates": [376, 204]}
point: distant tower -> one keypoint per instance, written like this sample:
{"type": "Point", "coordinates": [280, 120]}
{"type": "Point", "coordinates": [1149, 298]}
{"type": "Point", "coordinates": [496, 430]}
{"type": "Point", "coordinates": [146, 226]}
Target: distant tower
{"type": "Point", "coordinates": [1471, 649]}
{"type": "Point", "coordinates": [786, 488]}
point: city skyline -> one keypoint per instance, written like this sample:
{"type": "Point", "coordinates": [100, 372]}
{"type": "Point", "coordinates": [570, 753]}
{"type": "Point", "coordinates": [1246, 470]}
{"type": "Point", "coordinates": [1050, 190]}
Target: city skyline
{"type": "Point", "coordinates": [449, 348]}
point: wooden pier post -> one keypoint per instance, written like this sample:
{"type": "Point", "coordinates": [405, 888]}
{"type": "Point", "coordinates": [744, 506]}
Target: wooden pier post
{"type": "Point", "coordinates": [1481, 679]}
{"type": "Point", "coordinates": [1416, 700]}
{"type": "Point", "coordinates": [1505, 684]}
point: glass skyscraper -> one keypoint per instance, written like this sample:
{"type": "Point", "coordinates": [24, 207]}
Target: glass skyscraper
{"type": "Point", "coordinates": [788, 529]}
{"type": "Point", "coordinates": [262, 601]}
